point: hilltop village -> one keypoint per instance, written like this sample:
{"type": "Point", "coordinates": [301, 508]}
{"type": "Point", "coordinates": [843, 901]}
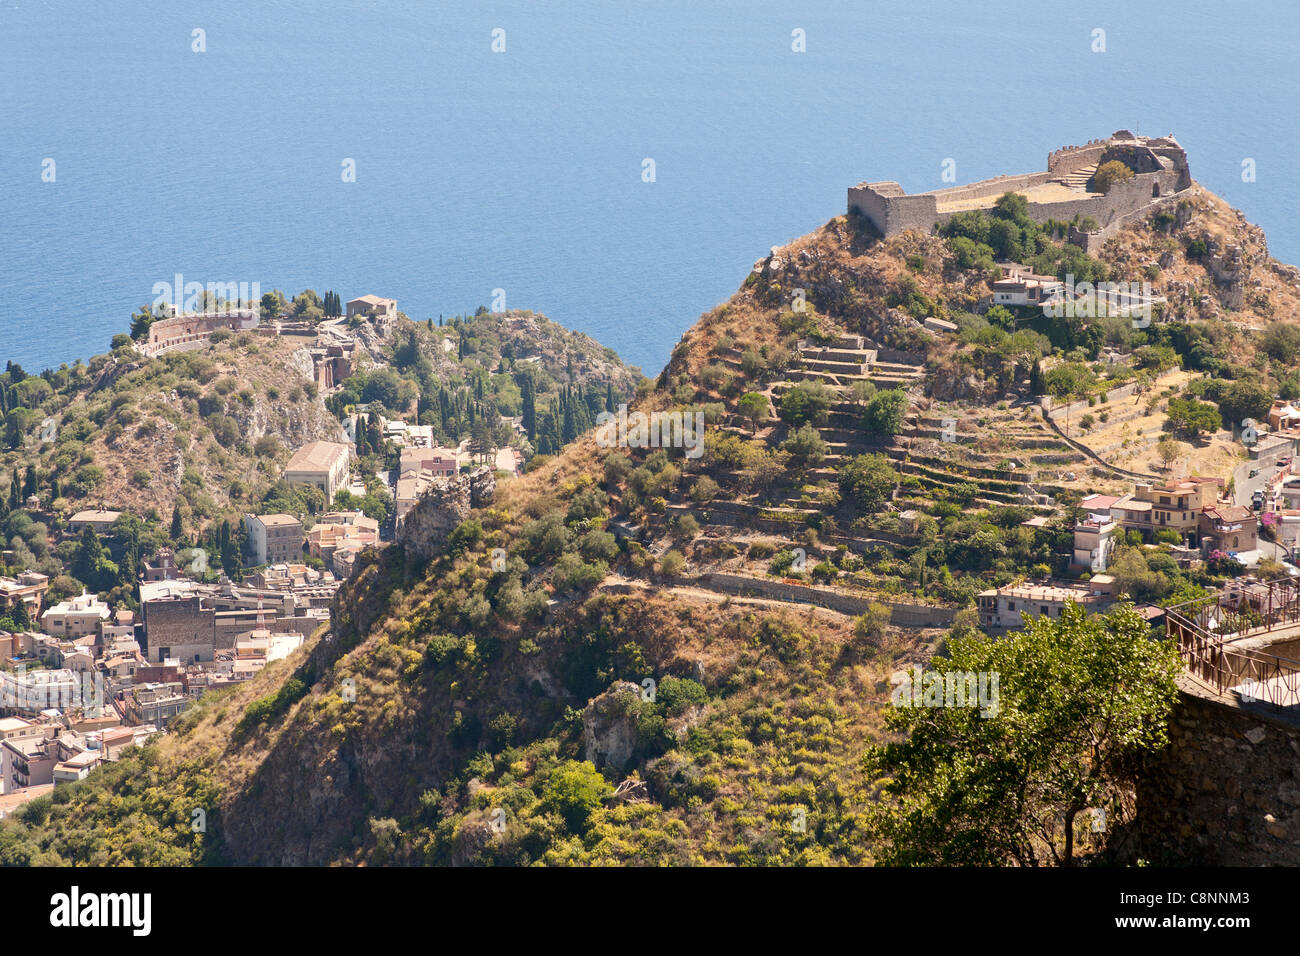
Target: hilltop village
{"type": "Point", "coordinates": [104, 643]}
{"type": "Point", "coordinates": [1043, 406]}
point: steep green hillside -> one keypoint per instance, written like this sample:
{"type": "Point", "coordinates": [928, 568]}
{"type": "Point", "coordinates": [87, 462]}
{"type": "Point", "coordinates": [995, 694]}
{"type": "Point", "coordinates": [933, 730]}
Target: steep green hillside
{"type": "Point", "coordinates": [598, 696]}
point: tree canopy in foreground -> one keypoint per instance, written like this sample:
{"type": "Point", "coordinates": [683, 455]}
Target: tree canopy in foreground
{"type": "Point", "coordinates": [1079, 703]}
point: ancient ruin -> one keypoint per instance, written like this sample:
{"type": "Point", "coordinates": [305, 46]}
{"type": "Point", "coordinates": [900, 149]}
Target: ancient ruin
{"type": "Point", "coordinates": [1064, 191]}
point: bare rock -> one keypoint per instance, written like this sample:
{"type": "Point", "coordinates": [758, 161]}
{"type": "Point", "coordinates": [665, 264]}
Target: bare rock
{"type": "Point", "coordinates": [609, 727]}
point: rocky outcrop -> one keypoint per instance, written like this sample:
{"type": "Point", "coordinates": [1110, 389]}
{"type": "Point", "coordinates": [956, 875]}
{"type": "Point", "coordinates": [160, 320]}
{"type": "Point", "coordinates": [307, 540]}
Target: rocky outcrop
{"type": "Point", "coordinates": [609, 731]}
{"type": "Point", "coordinates": [447, 502]}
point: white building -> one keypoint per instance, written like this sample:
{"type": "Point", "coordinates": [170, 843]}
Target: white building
{"type": "Point", "coordinates": [75, 617]}
{"type": "Point", "coordinates": [1094, 541]}
{"type": "Point", "coordinates": [1020, 286]}
{"type": "Point", "coordinates": [30, 692]}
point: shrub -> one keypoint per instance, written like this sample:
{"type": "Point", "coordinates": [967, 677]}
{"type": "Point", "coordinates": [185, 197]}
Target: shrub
{"type": "Point", "coordinates": [885, 412]}
{"type": "Point", "coordinates": [868, 481]}
{"type": "Point", "coordinates": [804, 402]}
{"type": "Point", "coordinates": [705, 489]}
{"type": "Point", "coordinates": [573, 574]}
{"type": "Point", "coordinates": [677, 694]}
{"type": "Point", "coordinates": [1110, 173]}
{"type": "Point", "coordinates": [673, 564]}
{"type": "Point", "coordinates": [575, 790]}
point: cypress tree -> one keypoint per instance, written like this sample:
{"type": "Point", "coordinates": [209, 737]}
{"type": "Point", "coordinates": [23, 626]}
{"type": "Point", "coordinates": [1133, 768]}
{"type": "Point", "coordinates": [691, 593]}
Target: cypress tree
{"type": "Point", "coordinates": [530, 407]}
{"type": "Point", "coordinates": [1037, 381]}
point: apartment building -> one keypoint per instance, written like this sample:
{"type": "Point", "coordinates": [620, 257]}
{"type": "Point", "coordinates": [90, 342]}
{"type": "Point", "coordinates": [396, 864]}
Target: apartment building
{"type": "Point", "coordinates": [29, 587]}
{"type": "Point", "coordinates": [154, 703]}
{"type": "Point", "coordinates": [274, 539]}
{"type": "Point", "coordinates": [75, 617]}
{"type": "Point", "coordinates": [1094, 541]}
{"type": "Point", "coordinates": [341, 529]}
{"type": "Point", "coordinates": [1002, 608]}
{"type": "Point", "coordinates": [1172, 504]}
{"type": "Point", "coordinates": [1230, 528]}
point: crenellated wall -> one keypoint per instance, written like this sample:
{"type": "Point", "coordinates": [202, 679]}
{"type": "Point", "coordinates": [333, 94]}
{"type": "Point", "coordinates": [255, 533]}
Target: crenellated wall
{"type": "Point", "coordinates": [1160, 167]}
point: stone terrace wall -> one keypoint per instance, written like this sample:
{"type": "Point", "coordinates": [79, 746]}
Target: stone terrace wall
{"type": "Point", "coordinates": [1075, 409]}
{"type": "Point", "coordinates": [903, 615]}
{"type": "Point", "coordinates": [1226, 792]}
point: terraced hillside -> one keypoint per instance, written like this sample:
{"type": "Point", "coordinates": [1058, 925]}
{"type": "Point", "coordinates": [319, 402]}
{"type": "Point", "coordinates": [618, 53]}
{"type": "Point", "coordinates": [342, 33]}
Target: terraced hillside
{"type": "Point", "coordinates": [680, 656]}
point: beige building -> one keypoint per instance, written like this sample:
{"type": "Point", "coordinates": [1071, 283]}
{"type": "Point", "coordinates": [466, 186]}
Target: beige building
{"type": "Point", "coordinates": [324, 464]}
{"type": "Point", "coordinates": [1230, 528]}
{"type": "Point", "coordinates": [341, 529]}
{"type": "Point", "coordinates": [101, 521]}
{"type": "Point", "coordinates": [373, 306]}
{"type": "Point", "coordinates": [1174, 504]}
{"type": "Point", "coordinates": [274, 539]}
{"type": "Point", "coordinates": [29, 587]}
{"type": "Point", "coordinates": [1001, 608]}
{"type": "Point", "coordinates": [438, 461]}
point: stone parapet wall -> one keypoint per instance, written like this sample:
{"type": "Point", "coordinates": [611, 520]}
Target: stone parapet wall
{"type": "Point", "coordinates": [1226, 792]}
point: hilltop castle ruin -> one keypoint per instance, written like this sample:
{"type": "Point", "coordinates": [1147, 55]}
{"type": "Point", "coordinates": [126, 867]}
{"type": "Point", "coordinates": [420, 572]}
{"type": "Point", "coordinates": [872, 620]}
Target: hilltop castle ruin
{"type": "Point", "coordinates": [1061, 192]}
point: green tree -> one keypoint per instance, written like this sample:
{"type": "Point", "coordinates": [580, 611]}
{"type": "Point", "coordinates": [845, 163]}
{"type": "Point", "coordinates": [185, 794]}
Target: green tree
{"type": "Point", "coordinates": [755, 407]}
{"type": "Point", "coordinates": [1110, 173]}
{"type": "Point", "coordinates": [885, 412]}
{"type": "Point", "coordinates": [1078, 703]}
{"type": "Point", "coordinates": [1190, 417]}
{"type": "Point", "coordinates": [1037, 382]}
{"type": "Point", "coordinates": [575, 790]}
{"type": "Point", "coordinates": [868, 481]}
{"type": "Point", "coordinates": [806, 447]}
{"type": "Point", "coordinates": [272, 305]}
{"type": "Point", "coordinates": [91, 564]}
{"type": "Point", "coordinates": [1281, 342]}
{"type": "Point", "coordinates": [140, 322]}
{"type": "Point", "coordinates": [804, 402]}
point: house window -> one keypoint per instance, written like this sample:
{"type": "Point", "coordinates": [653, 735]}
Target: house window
{"type": "Point", "coordinates": [1046, 609]}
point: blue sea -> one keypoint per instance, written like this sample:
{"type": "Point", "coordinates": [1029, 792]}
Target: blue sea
{"type": "Point", "coordinates": [522, 170]}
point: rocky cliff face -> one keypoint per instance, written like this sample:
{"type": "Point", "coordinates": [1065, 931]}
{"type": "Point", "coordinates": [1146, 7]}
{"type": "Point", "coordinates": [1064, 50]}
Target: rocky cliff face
{"type": "Point", "coordinates": [446, 504]}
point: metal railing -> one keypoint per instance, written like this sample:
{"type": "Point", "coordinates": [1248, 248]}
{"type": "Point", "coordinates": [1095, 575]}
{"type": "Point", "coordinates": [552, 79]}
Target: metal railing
{"type": "Point", "coordinates": [1203, 631]}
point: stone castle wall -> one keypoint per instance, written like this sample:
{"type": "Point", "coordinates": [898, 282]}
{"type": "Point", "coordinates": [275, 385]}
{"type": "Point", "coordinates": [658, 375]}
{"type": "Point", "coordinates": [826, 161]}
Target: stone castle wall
{"type": "Point", "coordinates": [1067, 159]}
{"type": "Point", "coordinates": [1161, 171]}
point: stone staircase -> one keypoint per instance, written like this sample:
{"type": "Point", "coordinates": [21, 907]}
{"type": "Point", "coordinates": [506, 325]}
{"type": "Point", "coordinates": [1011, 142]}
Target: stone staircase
{"type": "Point", "coordinates": [1079, 178]}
